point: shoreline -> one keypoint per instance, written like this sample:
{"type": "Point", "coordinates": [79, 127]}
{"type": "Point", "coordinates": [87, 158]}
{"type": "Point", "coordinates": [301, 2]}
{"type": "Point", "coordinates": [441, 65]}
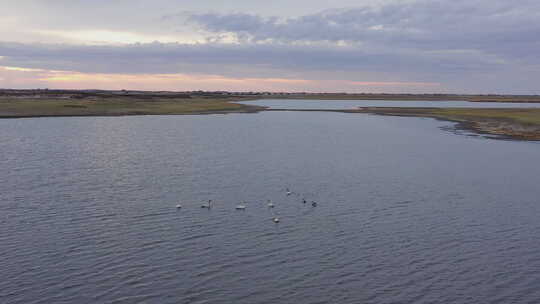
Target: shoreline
{"type": "Point", "coordinates": [411, 97]}
{"type": "Point", "coordinates": [247, 110]}
{"type": "Point", "coordinates": [240, 95]}
{"type": "Point", "coordinates": [500, 123]}
{"type": "Point", "coordinates": [124, 106]}
{"type": "Point", "coordinates": [497, 123]}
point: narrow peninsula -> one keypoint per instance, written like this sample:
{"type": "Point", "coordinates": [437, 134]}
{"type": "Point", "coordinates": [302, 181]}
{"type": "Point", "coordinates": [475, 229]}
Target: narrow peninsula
{"type": "Point", "coordinates": [507, 123]}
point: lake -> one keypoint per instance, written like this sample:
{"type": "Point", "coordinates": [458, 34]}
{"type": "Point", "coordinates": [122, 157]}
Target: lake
{"type": "Point", "coordinates": [352, 104]}
{"type": "Point", "coordinates": [407, 211]}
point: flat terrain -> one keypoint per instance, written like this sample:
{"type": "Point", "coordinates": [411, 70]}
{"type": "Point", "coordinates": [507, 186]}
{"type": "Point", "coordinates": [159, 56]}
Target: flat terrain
{"type": "Point", "coordinates": [407, 97]}
{"type": "Point", "coordinates": [522, 123]}
{"type": "Point", "coordinates": [117, 106]}
{"type": "Point", "coordinates": [510, 123]}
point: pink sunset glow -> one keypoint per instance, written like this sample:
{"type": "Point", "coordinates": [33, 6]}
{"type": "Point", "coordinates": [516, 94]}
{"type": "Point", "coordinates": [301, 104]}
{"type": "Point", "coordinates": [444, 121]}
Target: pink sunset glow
{"type": "Point", "coordinates": [18, 77]}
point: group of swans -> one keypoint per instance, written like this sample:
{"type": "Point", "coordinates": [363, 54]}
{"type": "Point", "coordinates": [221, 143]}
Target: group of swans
{"type": "Point", "coordinates": [243, 205]}
{"type": "Point", "coordinates": [204, 205]}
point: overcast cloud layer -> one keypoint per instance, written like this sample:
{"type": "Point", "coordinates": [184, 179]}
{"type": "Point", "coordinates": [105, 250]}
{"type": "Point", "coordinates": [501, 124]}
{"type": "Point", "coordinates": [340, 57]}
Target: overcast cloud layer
{"type": "Point", "coordinates": [470, 46]}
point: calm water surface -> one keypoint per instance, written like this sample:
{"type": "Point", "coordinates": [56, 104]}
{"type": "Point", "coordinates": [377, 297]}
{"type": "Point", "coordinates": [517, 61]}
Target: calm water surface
{"type": "Point", "coordinates": [352, 104]}
{"type": "Point", "coordinates": [408, 213]}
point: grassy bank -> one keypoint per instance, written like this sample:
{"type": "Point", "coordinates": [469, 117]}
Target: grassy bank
{"type": "Point", "coordinates": [117, 106]}
{"type": "Point", "coordinates": [509, 123]}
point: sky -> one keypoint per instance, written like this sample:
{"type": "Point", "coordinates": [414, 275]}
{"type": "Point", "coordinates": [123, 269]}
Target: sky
{"type": "Point", "coordinates": [407, 46]}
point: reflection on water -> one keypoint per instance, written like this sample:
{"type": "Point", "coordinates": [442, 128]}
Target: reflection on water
{"type": "Point", "coordinates": [407, 213]}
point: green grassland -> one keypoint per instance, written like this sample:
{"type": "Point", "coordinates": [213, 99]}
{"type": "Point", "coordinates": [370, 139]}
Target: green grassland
{"type": "Point", "coordinates": [38, 107]}
{"type": "Point", "coordinates": [517, 123]}
{"type": "Point", "coordinates": [523, 123]}
{"type": "Point", "coordinates": [526, 116]}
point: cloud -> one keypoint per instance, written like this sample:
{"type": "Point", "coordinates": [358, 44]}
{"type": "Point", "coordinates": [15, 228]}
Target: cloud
{"type": "Point", "coordinates": [235, 59]}
{"type": "Point", "coordinates": [496, 27]}
{"type": "Point", "coordinates": [16, 77]}
{"type": "Point", "coordinates": [104, 37]}
{"type": "Point", "coordinates": [474, 46]}
{"type": "Point", "coordinates": [453, 69]}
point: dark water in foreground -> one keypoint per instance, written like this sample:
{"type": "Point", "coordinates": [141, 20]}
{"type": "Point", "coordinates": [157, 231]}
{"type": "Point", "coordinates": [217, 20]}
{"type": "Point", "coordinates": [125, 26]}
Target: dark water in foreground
{"type": "Point", "coordinates": [408, 213]}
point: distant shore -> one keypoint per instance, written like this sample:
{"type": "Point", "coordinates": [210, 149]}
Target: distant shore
{"type": "Point", "coordinates": [520, 124]}
{"type": "Point", "coordinates": [500, 123]}
{"type": "Point", "coordinates": [415, 97]}
{"type": "Point", "coordinates": [119, 106]}
{"type": "Point", "coordinates": [108, 94]}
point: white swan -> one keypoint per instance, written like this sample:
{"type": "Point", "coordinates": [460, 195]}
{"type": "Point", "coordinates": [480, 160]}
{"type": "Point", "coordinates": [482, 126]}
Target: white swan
{"type": "Point", "coordinates": [178, 206]}
{"type": "Point", "coordinates": [275, 219]}
{"type": "Point", "coordinates": [270, 204]}
{"type": "Point", "coordinates": [241, 207]}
